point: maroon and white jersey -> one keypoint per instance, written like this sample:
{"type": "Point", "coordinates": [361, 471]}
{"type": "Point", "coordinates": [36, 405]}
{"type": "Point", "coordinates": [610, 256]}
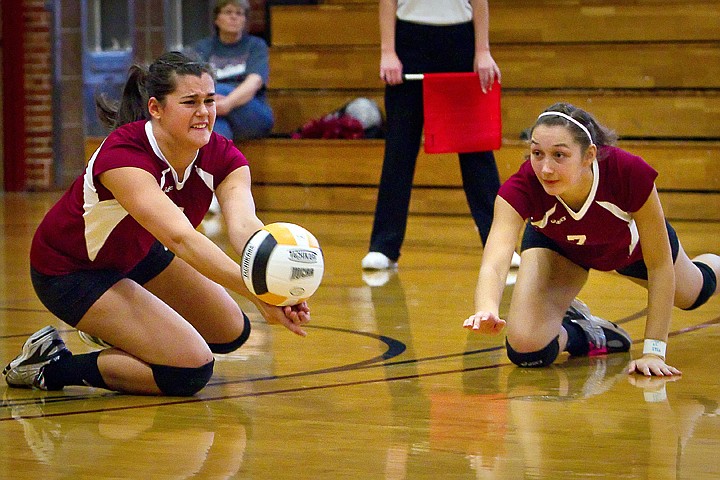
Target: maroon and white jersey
{"type": "Point", "coordinates": [87, 229]}
{"type": "Point", "coordinates": [602, 234]}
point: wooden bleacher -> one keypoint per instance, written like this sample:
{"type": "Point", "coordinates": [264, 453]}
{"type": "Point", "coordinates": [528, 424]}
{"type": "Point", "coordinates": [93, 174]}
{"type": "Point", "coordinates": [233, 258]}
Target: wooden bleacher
{"type": "Point", "coordinates": [649, 65]}
{"type": "Point", "coordinates": [647, 68]}
{"type": "Point", "coordinates": [342, 176]}
{"type": "Point", "coordinates": [650, 69]}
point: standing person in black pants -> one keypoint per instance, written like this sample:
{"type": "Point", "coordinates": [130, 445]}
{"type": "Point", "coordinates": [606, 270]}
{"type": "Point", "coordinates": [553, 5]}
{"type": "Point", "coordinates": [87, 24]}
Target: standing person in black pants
{"type": "Point", "coordinates": [427, 36]}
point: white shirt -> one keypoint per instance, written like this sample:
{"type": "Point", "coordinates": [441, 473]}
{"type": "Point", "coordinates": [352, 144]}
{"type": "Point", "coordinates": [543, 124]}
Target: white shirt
{"type": "Point", "coordinates": [435, 12]}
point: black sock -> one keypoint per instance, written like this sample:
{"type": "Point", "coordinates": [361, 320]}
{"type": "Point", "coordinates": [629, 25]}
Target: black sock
{"type": "Point", "coordinates": [577, 344]}
{"type": "Point", "coordinates": [74, 370]}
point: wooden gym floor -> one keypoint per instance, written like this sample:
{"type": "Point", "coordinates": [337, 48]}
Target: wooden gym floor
{"type": "Point", "coordinates": [387, 385]}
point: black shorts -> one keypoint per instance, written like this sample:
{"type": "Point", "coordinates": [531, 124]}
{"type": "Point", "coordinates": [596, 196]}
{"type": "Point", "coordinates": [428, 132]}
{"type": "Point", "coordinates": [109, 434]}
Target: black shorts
{"type": "Point", "coordinates": [70, 296]}
{"type": "Point", "coordinates": [534, 239]}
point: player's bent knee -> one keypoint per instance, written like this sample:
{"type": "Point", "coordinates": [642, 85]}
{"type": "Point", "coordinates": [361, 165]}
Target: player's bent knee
{"type": "Point", "coordinates": [708, 287]}
{"type": "Point", "coordinates": [235, 344]}
{"type": "Point", "coordinates": [541, 358]}
{"type": "Point", "coordinates": [182, 381]}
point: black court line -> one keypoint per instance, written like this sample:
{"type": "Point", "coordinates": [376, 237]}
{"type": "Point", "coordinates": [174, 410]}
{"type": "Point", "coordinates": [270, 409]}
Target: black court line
{"type": "Point", "coordinates": [356, 365]}
{"type": "Point", "coordinates": [256, 394]}
{"type": "Point", "coordinates": [24, 310]}
{"type": "Point", "coordinates": [394, 348]}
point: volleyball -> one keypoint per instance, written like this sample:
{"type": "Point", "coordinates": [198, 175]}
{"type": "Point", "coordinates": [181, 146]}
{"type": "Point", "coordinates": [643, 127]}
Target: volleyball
{"type": "Point", "coordinates": [282, 264]}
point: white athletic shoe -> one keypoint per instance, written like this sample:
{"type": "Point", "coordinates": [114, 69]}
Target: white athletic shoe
{"type": "Point", "coordinates": [515, 262]}
{"type": "Point", "coordinates": [95, 342]}
{"type": "Point", "coordinates": [377, 261]}
{"type": "Point", "coordinates": [43, 347]}
{"type": "Point", "coordinates": [603, 336]}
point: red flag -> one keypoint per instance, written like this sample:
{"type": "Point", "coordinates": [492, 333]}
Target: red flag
{"type": "Point", "coordinates": [459, 117]}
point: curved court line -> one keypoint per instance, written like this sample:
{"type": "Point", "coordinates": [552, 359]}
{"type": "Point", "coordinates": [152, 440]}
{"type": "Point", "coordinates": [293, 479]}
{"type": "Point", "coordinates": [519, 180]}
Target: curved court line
{"type": "Point", "coordinates": [394, 348]}
{"type": "Point", "coordinates": [357, 365]}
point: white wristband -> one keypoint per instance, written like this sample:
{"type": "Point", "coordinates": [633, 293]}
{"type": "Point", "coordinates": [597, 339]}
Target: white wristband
{"type": "Point", "coordinates": [654, 347]}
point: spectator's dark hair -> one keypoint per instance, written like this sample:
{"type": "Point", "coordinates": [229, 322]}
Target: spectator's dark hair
{"type": "Point", "coordinates": [158, 80]}
{"type": "Point", "coordinates": [600, 134]}
{"type": "Point", "coordinates": [220, 4]}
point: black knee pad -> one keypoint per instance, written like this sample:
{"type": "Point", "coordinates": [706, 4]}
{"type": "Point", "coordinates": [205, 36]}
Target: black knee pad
{"type": "Point", "coordinates": [235, 344]}
{"type": "Point", "coordinates": [708, 288]}
{"type": "Point", "coordinates": [182, 381]}
{"type": "Point", "coordinates": [541, 358]}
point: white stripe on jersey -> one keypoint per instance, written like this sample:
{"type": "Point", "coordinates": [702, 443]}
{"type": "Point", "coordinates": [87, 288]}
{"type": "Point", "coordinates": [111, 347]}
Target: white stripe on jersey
{"type": "Point", "coordinates": [100, 218]}
{"type": "Point", "coordinates": [207, 178]}
{"type": "Point", "coordinates": [543, 223]}
{"type": "Point", "coordinates": [591, 196]}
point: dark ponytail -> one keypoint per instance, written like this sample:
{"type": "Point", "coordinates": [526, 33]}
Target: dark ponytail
{"type": "Point", "coordinates": [131, 107]}
{"type": "Point", "coordinates": [158, 80]}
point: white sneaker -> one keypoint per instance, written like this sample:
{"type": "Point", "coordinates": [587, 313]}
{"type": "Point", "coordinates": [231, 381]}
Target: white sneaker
{"type": "Point", "coordinates": [515, 262]}
{"type": "Point", "coordinates": [43, 347]}
{"type": "Point", "coordinates": [377, 261]}
{"type": "Point", "coordinates": [211, 225]}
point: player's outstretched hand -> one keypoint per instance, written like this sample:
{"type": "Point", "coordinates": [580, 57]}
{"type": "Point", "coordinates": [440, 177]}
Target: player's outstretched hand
{"type": "Point", "coordinates": [291, 317]}
{"type": "Point", "coordinates": [652, 365]}
{"type": "Point", "coordinates": [484, 322]}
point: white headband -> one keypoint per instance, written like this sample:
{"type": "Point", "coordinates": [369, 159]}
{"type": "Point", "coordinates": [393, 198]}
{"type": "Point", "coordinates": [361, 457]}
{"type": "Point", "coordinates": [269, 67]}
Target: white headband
{"type": "Point", "coordinates": [568, 117]}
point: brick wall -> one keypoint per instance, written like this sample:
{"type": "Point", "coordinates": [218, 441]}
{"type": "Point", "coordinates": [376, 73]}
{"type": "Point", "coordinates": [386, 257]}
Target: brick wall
{"type": "Point", "coordinates": [38, 83]}
{"type": "Point", "coordinates": [38, 94]}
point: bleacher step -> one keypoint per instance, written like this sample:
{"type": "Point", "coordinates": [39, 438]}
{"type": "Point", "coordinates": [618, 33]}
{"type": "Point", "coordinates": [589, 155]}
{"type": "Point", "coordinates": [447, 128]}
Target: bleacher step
{"type": "Point", "coordinates": [342, 175]}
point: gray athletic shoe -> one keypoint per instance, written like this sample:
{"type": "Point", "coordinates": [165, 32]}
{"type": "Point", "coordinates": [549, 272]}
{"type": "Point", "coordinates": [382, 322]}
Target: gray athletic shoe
{"type": "Point", "coordinates": [95, 342]}
{"type": "Point", "coordinates": [603, 336]}
{"type": "Point", "coordinates": [43, 347]}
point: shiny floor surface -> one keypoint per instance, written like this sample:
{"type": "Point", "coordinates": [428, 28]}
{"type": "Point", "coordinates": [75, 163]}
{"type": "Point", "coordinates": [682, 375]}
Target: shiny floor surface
{"type": "Point", "coordinates": [387, 385]}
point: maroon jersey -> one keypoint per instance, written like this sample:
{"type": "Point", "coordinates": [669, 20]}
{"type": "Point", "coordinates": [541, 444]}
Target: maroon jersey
{"type": "Point", "coordinates": [602, 234]}
{"type": "Point", "coordinates": [87, 229]}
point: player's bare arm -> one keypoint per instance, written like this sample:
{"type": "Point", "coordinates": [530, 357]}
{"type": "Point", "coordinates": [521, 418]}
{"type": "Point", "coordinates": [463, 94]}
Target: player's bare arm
{"type": "Point", "coordinates": [650, 222]}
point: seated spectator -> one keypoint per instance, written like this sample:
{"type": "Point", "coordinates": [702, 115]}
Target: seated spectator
{"type": "Point", "coordinates": [241, 66]}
